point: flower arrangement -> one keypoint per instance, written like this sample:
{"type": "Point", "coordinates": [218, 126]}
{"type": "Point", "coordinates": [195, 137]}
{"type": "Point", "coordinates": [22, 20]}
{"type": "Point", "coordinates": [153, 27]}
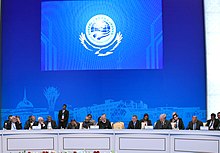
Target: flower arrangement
{"type": "Point", "coordinates": [38, 151]}
{"type": "Point", "coordinates": [78, 151]}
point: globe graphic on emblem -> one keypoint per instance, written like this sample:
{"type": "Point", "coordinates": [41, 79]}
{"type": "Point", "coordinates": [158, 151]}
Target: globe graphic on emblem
{"type": "Point", "coordinates": [100, 30]}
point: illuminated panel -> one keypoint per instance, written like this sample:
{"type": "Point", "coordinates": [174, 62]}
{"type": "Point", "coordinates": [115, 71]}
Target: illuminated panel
{"type": "Point", "coordinates": [212, 24]}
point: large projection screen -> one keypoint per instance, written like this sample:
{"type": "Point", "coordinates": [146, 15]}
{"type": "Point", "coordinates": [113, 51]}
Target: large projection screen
{"type": "Point", "coordinates": [212, 24]}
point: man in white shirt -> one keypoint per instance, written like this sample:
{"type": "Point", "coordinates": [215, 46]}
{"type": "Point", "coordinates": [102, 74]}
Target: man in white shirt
{"type": "Point", "coordinates": [50, 124]}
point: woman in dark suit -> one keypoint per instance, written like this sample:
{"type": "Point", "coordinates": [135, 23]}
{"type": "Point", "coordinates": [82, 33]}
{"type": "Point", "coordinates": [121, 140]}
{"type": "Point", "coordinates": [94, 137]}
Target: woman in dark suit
{"type": "Point", "coordinates": [146, 120]}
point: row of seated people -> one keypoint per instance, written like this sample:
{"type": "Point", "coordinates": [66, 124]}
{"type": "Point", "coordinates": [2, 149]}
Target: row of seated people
{"type": "Point", "coordinates": [14, 123]}
{"type": "Point", "coordinates": [176, 122]}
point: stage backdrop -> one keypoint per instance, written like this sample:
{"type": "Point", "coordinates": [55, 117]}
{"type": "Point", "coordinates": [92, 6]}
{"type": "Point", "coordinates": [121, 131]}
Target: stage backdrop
{"type": "Point", "coordinates": [145, 57]}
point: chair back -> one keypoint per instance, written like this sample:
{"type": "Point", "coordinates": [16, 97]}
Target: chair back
{"type": "Point", "coordinates": [118, 125]}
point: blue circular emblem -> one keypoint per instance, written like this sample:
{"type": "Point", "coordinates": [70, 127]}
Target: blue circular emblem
{"type": "Point", "coordinates": [100, 30]}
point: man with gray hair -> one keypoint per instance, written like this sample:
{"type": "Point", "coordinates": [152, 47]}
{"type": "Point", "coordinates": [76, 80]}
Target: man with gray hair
{"type": "Point", "coordinates": [195, 124]}
{"type": "Point", "coordinates": [162, 123]}
{"type": "Point", "coordinates": [50, 123]}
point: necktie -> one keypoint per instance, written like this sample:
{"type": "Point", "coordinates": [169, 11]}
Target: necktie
{"type": "Point", "coordinates": [176, 124]}
{"type": "Point", "coordinates": [13, 126]}
{"type": "Point", "coordinates": [163, 123]}
{"type": "Point", "coordinates": [211, 124]}
{"type": "Point", "coordinates": [194, 126]}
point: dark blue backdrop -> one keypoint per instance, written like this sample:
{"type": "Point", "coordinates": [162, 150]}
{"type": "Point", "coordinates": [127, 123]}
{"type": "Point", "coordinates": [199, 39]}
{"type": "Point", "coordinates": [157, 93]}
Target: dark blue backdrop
{"type": "Point", "coordinates": [180, 85]}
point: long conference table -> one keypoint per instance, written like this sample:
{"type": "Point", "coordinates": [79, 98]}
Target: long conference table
{"type": "Point", "coordinates": [105, 141]}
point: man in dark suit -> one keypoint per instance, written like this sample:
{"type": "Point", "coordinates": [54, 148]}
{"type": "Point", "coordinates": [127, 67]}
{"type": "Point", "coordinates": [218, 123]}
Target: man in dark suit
{"type": "Point", "coordinates": [63, 117]}
{"type": "Point", "coordinates": [194, 124]}
{"type": "Point", "coordinates": [163, 123]}
{"type": "Point", "coordinates": [134, 123]}
{"type": "Point", "coordinates": [6, 122]}
{"type": "Point", "coordinates": [14, 124]}
{"type": "Point", "coordinates": [30, 122]}
{"type": "Point", "coordinates": [218, 118]}
{"type": "Point", "coordinates": [104, 123]}
{"type": "Point", "coordinates": [50, 124]}
{"type": "Point", "coordinates": [178, 122]}
{"type": "Point", "coordinates": [90, 119]}
{"type": "Point", "coordinates": [213, 122]}
{"type": "Point", "coordinates": [87, 123]}
{"type": "Point", "coordinates": [146, 120]}
{"type": "Point", "coordinates": [73, 125]}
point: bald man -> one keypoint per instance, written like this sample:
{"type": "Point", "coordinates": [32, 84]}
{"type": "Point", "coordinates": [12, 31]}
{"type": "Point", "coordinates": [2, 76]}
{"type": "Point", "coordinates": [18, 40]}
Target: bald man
{"type": "Point", "coordinates": [194, 124]}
